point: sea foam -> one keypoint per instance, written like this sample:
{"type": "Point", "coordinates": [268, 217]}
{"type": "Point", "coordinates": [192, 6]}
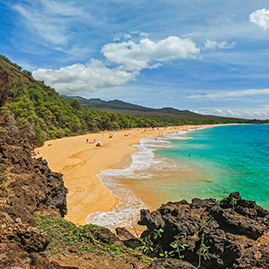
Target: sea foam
{"type": "Point", "coordinates": [142, 163]}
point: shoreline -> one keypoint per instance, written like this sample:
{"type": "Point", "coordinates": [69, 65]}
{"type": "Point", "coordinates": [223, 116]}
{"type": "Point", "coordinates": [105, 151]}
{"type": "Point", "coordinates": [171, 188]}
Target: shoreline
{"type": "Point", "coordinates": [80, 163]}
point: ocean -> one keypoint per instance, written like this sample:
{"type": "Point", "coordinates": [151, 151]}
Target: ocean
{"type": "Point", "coordinates": [202, 163]}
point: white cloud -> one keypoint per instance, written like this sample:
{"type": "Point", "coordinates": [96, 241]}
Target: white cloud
{"type": "Point", "coordinates": [219, 112]}
{"type": "Point", "coordinates": [144, 35]}
{"type": "Point", "coordinates": [127, 36]}
{"type": "Point", "coordinates": [245, 113]}
{"type": "Point", "coordinates": [141, 34]}
{"type": "Point", "coordinates": [210, 44]}
{"type": "Point", "coordinates": [49, 19]}
{"type": "Point", "coordinates": [78, 78]}
{"type": "Point", "coordinates": [227, 113]}
{"type": "Point", "coordinates": [256, 113]}
{"type": "Point", "coordinates": [231, 94]}
{"type": "Point", "coordinates": [131, 57]}
{"type": "Point", "coordinates": [261, 18]}
{"type": "Point", "coordinates": [133, 34]}
{"type": "Point", "coordinates": [135, 57]}
{"type": "Point", "coordinates": [60, 8]}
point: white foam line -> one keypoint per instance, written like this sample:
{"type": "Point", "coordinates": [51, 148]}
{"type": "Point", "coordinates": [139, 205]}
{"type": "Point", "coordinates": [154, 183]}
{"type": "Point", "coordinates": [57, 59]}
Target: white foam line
{"type": "Point", "coordinates": [130, 205]}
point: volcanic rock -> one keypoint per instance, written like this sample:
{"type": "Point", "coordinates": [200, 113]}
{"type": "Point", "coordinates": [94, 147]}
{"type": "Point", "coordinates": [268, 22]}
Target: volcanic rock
{"type": "Point", "coordinates": [170, 264]}
{"type": "Point", "coordinates": [27, 187]}
{"type": "Point", "coordinates": [234, 231]}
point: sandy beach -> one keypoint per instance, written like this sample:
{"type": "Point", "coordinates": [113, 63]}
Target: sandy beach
{"type": "Point", "coordinates": [80, 161]}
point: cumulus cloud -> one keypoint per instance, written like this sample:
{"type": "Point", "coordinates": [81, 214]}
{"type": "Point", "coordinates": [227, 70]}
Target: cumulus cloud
{"type": "Point", "coordinates": [135, 57]}
{"type": "Point", "coordinates": [130, 59]}
{"type": "Point", "coordinates": [231, 94]}
{"type": "Point", "coordinates": [79, 78]}
{"type": "Point", "coordinates": [261, 18]}
{"type": "Point", "coordinates": [210, 44]}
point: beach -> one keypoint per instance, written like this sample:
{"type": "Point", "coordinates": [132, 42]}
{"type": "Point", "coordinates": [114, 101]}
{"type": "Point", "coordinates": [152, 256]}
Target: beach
{"type": "Point", "coordinates": [80, 161]}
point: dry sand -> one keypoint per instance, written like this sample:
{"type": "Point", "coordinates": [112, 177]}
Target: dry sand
{"type": "Point", "coordinates": [80, 163]}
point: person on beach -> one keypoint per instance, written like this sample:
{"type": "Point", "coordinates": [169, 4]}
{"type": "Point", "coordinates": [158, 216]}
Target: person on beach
{"type": "Point", "coordinates": [87, 140]}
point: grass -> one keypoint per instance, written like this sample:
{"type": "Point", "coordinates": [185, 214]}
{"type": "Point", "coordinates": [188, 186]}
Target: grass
{"type": "Point", "coordinates": [66, 235]}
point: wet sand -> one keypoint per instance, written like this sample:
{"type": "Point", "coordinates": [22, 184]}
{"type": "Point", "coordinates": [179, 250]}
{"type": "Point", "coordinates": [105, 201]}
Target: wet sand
{"type": "Point", "coordinates": [80, 162]}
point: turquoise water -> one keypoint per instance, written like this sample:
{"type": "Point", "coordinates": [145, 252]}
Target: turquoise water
{"type": "Point", "coordinates": [204, 163]}
{"type": "Point", "coordinates": [229, 158]}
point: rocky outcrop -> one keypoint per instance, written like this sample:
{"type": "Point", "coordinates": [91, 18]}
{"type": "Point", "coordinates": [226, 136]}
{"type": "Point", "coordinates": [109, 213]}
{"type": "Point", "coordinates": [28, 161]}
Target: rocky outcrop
{"type": "Point", "coordinates": [22, 236]}
{"type": "Point", "coordinates": [27, 187]}
{"type": "Point", "coordinates": [234, 231]}
{"type": "Point", "coordinates": [29, 182]}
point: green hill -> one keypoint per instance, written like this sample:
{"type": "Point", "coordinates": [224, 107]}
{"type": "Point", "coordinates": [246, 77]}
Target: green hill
{"type": "Point", "coordinates": [30, 106]}
{"type": "Point", "coordinates": [164, 113]}
{"type": "Point", "coordinates": [35, 108]}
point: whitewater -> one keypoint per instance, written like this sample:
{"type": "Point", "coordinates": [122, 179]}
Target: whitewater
{"type": "Point", "coordinates": [203, 163]}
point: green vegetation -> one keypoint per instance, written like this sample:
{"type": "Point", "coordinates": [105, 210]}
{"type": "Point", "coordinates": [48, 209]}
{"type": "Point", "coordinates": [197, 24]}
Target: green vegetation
{"type": "Point", "coordinates": [4, 187]}
{"type": "Point", "coordinates": [209, 219]}
{"type": "Point", "coordinates": [163, 117]}
{"type": "Point", "coordinates": [177, 247]}
{"type": "Point", "coordinates": [148, 247]}
{"type": "Point", "coordinates": [28, 73]}
{"type": "Point", "coordinates": [202, 251]}
{"type": "Point", "coordinates": [3, 183]}
{"type": "Point", "coordinates": [66, 235]}
{"type": "Point", "coordinates": [233, 202]}
{"type": "Point", "coordinates": [39, 110]}
{"type": "Point", "coordinates": [151, 247]}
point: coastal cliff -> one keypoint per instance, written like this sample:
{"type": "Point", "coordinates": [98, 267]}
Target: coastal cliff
{"type": "Point", "coordinates": [27, 187]}
{"type": "Point", "coordinates": [231, 233]}
{"type": "Point", "coordinates": [33, 233]}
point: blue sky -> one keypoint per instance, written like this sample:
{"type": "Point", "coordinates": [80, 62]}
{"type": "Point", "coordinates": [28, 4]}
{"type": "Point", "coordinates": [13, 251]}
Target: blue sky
{"type": "Point", "coordinates": [211, 57]}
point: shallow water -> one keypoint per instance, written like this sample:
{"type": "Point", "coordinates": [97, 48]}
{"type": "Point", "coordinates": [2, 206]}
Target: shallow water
{"type": "Point", "coordinates": [210, 162]}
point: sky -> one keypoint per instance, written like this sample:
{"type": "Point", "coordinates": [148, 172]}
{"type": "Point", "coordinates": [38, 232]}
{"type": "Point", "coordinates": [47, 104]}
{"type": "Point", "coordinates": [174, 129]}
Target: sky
{"type": "Point", "coordinates": [209, 57]}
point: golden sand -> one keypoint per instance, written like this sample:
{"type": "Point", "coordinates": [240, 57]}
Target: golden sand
{"type": "Point", "coordinates": [80, 162]}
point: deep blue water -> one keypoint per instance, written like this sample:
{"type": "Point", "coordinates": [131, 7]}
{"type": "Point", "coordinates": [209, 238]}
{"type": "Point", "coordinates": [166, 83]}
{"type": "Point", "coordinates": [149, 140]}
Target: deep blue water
{"type": "Point", "coordinates": [229, 158]}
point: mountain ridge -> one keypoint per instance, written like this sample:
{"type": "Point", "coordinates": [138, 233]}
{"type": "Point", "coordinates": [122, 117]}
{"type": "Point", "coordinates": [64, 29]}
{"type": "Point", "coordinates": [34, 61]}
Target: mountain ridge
{"type": "Point", "coordinates": [135, 110]}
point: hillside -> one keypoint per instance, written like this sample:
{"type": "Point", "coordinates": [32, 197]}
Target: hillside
{"type": "Point", "coordinates": [31, 107]}
{"type": "Point", "coordinates": [161, 114]}
{"type": "Point", "coordinates": [35, 108]}
{"type": "Point", "coordinates": [137, 110]}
